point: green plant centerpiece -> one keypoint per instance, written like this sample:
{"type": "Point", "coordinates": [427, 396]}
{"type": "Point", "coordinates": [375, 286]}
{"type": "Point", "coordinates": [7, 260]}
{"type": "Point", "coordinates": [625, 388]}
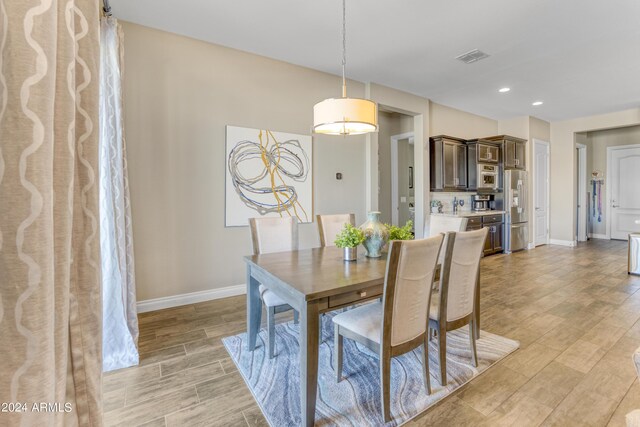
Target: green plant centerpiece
{"type": "Point", "coordinates": [349, 239]}
{"type": "Point", "coordinates": [401, 233]}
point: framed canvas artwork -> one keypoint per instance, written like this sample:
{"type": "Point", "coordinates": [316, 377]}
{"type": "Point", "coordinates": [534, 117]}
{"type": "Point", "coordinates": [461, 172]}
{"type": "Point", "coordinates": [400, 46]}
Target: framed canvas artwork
{"type": "Point", "coordinates": [268, 174]}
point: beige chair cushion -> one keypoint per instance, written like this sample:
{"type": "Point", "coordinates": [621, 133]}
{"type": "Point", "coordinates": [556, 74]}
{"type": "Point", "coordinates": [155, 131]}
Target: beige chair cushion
{"type": "Point", "coordinates": [365, 321]}
{"type": "Point", "coordinates": [274, 234]}
{"type": "Point", "coordinates": [414, 276]}
{"type": "Point", "coordinates": [633, 418]}
{"type": "Point", "coordinates": [332, 225]}
{"type": "Point", "coordinates": [466, 256]}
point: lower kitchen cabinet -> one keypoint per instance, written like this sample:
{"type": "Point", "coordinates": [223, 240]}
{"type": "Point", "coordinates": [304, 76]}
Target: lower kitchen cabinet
{"type": "Point", "coordinates": [495, 237]}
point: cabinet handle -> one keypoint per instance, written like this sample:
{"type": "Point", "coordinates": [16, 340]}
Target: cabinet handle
{"type": "Point", "coordinates": [363, 294]}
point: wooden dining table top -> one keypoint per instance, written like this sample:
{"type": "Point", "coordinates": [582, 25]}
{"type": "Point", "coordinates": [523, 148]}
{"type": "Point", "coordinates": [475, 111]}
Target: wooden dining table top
{"type": "Point", "coordinates": [321, 272]}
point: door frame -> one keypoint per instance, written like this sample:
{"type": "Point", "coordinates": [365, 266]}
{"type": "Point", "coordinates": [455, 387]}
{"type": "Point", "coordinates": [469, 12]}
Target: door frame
{"type": "Point", "coordinates": [581, 226]}
{"type": "Point", "coordinates": [394, 173]}
{"type": "Point", "coordinates": [608, 179]}
{"type": "Point", "coordinates": [534, 179]}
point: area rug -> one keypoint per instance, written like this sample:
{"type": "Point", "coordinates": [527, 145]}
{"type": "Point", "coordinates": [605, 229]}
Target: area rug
{"type": "Point", "coordinates": [355, 401]}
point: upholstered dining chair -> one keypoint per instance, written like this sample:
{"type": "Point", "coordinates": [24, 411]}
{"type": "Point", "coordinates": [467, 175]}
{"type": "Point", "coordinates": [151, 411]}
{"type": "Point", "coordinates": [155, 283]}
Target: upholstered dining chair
{"type": "Point", "coordinates": [330, 225]}
{"type": "Point", "coordinates": [273, 235]}
{"type": "Point", "coordinates": [454, 307]}
{"type": "Point", "coordinates": [398, 324]}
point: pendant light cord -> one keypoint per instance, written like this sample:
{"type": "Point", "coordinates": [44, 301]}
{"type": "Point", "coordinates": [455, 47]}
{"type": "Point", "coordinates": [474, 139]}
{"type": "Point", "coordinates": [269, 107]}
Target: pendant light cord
{"type": "Point", "coordinates": [344, 48]}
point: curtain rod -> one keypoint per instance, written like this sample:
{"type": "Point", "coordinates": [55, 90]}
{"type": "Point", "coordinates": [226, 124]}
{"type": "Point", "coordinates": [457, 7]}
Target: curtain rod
{"type": "Point", "coordinates": [106, 7]}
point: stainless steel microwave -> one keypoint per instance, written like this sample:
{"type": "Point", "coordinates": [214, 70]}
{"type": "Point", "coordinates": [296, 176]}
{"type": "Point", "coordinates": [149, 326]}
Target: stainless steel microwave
{"type": "Point", "coordinates": [487, 177]}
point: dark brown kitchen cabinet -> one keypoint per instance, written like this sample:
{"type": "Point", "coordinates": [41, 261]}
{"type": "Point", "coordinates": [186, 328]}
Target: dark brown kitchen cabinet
{"type": "Point", "coordinates": [514, 151]}
{"type": "Point", "coordinates": [448, 163]}
{"type": "Point", "coordinates": [495, 238]}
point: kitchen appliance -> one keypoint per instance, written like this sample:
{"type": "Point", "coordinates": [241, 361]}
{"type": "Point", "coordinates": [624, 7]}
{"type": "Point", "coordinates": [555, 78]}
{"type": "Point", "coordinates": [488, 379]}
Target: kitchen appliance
{"type": "Point", "coordinates": [484, 166]}
{"type": "Point", "coordinates": [487, 177]}
{"type": "Point", "coordinates": [483, 202]}
{"type": "Point", "coordinates": [515, 206]}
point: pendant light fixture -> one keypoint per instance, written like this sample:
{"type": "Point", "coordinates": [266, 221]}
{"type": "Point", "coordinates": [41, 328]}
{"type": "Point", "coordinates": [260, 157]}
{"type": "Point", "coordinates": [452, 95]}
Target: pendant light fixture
{"type": "Point", "coordinates": [345, 116]}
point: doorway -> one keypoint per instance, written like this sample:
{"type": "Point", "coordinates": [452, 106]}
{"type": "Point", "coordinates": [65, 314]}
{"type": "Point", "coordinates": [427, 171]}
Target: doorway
{"type": "Point", "coordinates": [623, 175]}
{"type": "Point", "coordinates": [402, 179]}
{"type": "Point", "coordinates": [581, 191]}
{"type": "Point", "coordinates": [541, 192]}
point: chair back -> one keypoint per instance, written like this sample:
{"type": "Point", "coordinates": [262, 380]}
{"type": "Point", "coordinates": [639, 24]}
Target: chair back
{"type": "Point", "coordinates": [273, 234]}
{"type": "Point", "coordinates": [411, 265]}
{"type": "Point", "coordinates": [442, 224]}
{"type": "Point", "coordinates": [460, 273]}
{"type": "Point", "coordinates": [330, 225]}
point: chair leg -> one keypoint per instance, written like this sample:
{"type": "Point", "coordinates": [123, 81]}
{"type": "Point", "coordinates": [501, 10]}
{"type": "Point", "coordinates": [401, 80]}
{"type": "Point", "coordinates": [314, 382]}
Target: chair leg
{"type": "Point", "coordinates": [385, 387]}
{"type": "Point", "coordinates": [337, 348]}
{"type": "Point", "coordinates": [271, 329]}
{"type": "Point", "coordinates": [296, 317]}
{"type": "Point", "coordinates": [425, 365]}
{"type": "Point", "coordinates": [472, 340]}
{"type": "Point", "coordinates": [442, 356]}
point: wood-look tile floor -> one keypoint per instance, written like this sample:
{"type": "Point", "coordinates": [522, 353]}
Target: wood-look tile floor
{"type": "Point", "coordinates": [575, 312]}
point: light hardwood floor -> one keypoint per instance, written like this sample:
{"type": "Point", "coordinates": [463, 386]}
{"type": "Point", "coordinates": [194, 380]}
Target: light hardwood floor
{"type": "Point", "coordinates": [575, 312]}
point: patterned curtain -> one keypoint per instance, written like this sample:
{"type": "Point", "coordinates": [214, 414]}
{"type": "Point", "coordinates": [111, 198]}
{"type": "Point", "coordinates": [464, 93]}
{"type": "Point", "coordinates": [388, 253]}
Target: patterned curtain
{"type": "Point", "coordinates": [50, 296]}
{"type": "Point", "coordinates": [120, 320]}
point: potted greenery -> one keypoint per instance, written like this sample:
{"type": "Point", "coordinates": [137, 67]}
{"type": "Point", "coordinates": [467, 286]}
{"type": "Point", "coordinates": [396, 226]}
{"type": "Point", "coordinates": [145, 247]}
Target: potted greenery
{"type": "Point", "coordinates": [401, 233]}
{"type": "Point", "coordinates": [349, 239]}
{"type": "Point", "coordinates": [436, 206]}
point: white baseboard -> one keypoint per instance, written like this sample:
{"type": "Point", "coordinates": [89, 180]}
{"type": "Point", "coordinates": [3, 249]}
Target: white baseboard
{"type": "Point", "coordinates": [531, 246]}
{"type": "Point", "coordinates": [569, 243]}
{"type": "Point", "coordinates": [190, 298]}
{"type": "Point", "coordinates": [598, 236]}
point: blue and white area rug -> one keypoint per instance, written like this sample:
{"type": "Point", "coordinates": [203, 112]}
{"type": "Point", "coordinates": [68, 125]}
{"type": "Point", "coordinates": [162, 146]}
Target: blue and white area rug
{"type": "Point", "coordinates": [355, 401]}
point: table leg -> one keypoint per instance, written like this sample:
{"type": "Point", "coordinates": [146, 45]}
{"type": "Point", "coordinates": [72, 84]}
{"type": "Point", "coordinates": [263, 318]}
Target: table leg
{"type": "Point", "coordinates": [254, 310]}
{"type": "Point", "coordinates": [476, 308]}
{"type": "Point", "coordinates": [309, 336]}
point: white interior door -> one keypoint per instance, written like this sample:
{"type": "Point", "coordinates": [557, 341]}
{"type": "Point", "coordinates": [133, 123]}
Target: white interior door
{"type": "Point", "coordinates": [624, 179]}
{"type": "Point", "coordinates": [541, 215]}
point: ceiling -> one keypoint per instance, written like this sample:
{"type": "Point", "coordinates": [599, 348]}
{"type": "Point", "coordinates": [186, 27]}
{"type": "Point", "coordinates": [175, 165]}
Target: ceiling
{"type": "Point", "coordinates": [580, 57]}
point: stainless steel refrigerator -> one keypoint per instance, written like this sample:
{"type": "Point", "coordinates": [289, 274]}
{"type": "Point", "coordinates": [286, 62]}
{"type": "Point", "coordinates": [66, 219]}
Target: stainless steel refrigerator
{"type": "Point", "coordinates": [516, 217]}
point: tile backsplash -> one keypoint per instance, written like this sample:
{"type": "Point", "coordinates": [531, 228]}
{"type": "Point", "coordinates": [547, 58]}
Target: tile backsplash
{"type": "Point", "coordinates": [447, 200]}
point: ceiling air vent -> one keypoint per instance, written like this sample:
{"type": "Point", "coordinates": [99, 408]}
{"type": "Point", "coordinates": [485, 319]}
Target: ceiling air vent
{"type": "Point", "coordinates": [472, 56]}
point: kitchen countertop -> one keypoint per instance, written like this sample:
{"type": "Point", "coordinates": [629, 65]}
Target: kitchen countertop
{"type": "Point", "coordinates": [466, 214]}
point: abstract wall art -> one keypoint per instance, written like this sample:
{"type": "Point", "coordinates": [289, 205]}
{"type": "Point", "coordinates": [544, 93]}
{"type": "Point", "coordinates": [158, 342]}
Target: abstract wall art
{"type": "Point", "coordinates": [268, 174]}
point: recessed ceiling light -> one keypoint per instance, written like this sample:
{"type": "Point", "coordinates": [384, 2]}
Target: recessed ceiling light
{"type": "Point", "coordinates": [535, 104]}
{"type": "Point", "coordinates": [504, 89]}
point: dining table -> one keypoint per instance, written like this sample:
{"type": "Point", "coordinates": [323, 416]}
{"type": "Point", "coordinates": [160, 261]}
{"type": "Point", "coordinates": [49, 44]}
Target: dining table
{"type": "Point", "coordinates": [312, 282]}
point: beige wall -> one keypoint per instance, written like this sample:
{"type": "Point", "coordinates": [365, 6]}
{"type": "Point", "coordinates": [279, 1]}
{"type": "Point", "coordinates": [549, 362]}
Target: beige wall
{"type": "Point", "coordinates": [179, 94]}
{"type": "Point", "coordinates": [597, 143]}
{"type": "Point", "coordinates": [563, 173]}
{"type": "Point", "coordinates": [450, 121]}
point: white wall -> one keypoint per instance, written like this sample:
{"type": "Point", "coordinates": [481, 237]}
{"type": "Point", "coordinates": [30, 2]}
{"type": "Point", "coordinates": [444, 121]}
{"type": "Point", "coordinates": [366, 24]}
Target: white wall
{"type": "Point", "coordinates": [179, 95]}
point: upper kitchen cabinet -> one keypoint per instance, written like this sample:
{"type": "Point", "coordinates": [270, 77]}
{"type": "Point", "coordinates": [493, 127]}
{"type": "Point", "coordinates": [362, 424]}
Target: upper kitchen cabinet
{"type": "Point", "coordinates": [513, 151]}
{"type": "Point", "coordinates": [448, 163]}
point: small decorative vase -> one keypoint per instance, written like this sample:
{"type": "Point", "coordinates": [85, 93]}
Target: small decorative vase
{"type": "Point", "coordinates": [376, 235]}
{"type": "Point", "coordinates": [350, 254]}
{"type": "Point", "coordinates": [435, 209]}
